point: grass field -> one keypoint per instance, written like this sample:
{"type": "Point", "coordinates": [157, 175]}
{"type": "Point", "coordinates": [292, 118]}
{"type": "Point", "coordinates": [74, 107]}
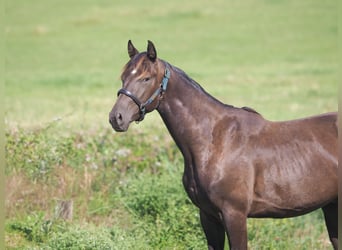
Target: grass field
{"type": "Point", "coordinates": [63, 63]}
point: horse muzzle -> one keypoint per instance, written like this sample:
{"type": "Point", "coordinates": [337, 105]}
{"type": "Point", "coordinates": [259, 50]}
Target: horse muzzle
{"type": "Point", "coordinates": [118, 122]}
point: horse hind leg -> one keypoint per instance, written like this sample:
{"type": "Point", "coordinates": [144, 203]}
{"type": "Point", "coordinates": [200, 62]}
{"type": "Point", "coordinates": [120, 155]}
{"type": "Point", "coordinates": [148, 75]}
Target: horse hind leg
{"type": "Point", "coordinates": [331, 221]}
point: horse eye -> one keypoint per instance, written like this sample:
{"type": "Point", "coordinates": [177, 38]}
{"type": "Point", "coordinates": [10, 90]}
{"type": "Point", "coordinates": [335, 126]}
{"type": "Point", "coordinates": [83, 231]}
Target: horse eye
{"type": "Point", "coordinates": [146, 79]}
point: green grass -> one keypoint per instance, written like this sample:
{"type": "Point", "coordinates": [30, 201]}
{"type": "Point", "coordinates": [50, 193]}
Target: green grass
{"type": "Point", "coordinates": [63, 63]}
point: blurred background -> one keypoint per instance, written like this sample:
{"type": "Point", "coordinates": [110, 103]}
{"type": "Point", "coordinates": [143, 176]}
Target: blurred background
{"type": "Point", "coordinates": [63, 63]}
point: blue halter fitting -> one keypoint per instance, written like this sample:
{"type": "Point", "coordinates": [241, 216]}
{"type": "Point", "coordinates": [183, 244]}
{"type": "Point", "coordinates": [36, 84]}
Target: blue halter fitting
{"type": "Point", "coordinates": [142, 106]}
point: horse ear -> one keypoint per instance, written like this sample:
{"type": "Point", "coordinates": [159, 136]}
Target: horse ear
{"type": "Point", "coordinates": [131, 50]}
{"type": "Point", "coordinates": [151, 51]}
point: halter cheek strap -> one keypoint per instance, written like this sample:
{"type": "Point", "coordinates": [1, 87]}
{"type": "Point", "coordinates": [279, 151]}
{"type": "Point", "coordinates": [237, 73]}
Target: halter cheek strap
{"type": "Point", "coordinates": [142, 106]}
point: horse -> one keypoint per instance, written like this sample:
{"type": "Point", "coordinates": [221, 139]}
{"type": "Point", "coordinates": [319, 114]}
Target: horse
{"type": "Point", "coordinates": [237, 164]}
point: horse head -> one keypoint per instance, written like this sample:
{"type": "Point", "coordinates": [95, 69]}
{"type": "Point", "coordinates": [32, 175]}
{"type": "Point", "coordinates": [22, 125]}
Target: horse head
{"type": "Point", "coordinates": [144, 80]}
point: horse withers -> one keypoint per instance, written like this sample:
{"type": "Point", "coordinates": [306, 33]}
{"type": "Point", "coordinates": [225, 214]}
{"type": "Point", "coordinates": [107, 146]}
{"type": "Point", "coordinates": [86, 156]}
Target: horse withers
{"type": "Point", "coordinates": [236, 163]}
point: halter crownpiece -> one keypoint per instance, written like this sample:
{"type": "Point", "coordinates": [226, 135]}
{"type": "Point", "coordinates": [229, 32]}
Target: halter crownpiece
{"type": "Point", "coordinates": [165, 79]}
{"type": "Point", "coordinates": [142, 106]}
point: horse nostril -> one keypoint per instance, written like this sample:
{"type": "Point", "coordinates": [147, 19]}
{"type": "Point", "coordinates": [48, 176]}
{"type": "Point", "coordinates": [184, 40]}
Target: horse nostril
{"type": "Point", "coordinates": [118, 117]}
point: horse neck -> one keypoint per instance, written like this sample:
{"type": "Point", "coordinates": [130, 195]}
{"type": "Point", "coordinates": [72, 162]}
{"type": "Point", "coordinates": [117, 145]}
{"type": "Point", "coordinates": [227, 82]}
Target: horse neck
{"type": "Point", "coordinates": [188, 111]}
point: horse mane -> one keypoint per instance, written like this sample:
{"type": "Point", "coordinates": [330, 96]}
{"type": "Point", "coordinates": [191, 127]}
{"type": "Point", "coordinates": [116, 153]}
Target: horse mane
{"type": "Point", "coordinates": [188, 78]}
{"type": "Point", "coordinates": [248, 109]}
{"type": "Point", "coordinates": [199, 87]}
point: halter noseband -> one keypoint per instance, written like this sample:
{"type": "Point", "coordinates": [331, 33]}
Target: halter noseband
{"type": "Point", "coordinates": [142, 106]}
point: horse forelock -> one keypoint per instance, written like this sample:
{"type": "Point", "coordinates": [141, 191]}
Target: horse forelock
{"type": "Point", "coordinates": [139, 66]}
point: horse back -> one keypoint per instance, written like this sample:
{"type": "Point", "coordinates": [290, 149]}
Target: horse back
{"type": "Point", "coordinates": [324, 129]}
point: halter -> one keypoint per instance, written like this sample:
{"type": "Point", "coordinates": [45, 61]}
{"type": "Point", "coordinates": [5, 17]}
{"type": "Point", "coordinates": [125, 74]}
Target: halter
{"type": "Point", "coordinates": [142, 106]}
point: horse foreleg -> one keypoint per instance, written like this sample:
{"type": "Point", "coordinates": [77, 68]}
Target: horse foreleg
{"type": "Point", "coordinates": [331, 220]}
{"type": "Point", "coordinates": [236, 227]}
{"type": "Point", "coordinates": [214, 231]}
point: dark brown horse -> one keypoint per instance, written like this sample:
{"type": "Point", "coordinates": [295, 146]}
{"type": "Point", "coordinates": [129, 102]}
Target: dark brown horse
{"type": "Point", "coordinates": [237, 164]}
